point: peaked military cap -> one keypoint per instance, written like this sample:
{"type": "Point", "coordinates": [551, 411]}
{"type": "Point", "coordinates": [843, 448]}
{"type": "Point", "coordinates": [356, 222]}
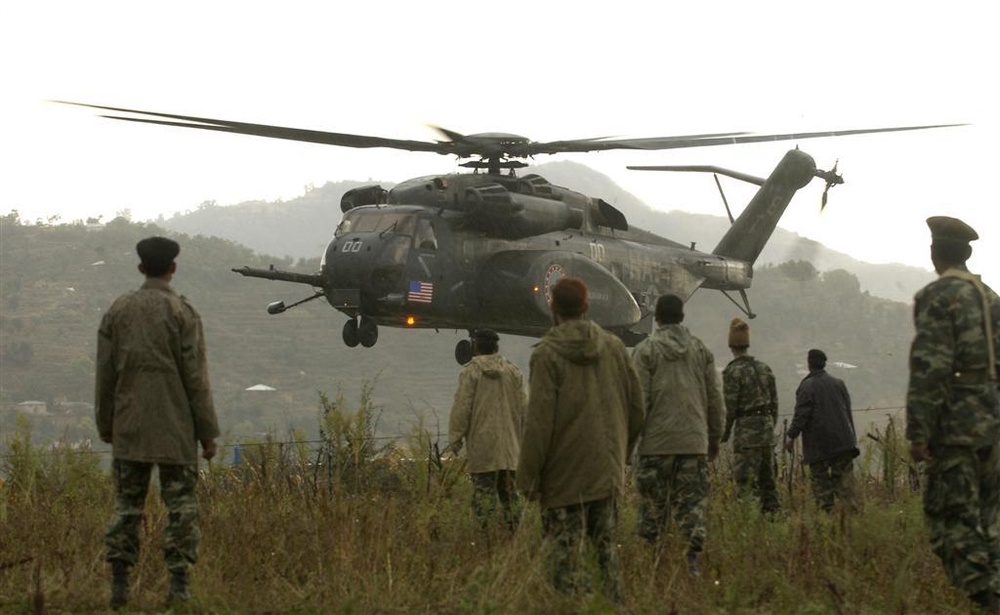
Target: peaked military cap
{"type": "Point", "coordinates": [951, 229]}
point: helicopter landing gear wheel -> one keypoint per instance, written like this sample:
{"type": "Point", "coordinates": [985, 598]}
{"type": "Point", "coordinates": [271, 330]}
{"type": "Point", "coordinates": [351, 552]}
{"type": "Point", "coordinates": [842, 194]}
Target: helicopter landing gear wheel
{"type": "Point", "coordinates": [368, 332]}
{"type": "Point", "coordinates": [350, 333]}
{"type": "Point", "coordinates": [463, 352]}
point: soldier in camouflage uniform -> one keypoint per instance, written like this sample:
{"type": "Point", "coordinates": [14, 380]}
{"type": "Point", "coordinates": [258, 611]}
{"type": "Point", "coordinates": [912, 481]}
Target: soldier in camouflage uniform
{"type": "Point", "coordinates": [154, 405]}
{"type": "Point", "coordinates": [953, 413]}
{"type": "Point", "coordinates": [684, 422]}
{"type": "Point", "coordinates": [584, 415]}
{"type": "Point", "coordinates": [751, 397]}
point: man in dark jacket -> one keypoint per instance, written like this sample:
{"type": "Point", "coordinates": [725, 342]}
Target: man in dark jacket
{"type": "Point", "coordinates": [154, 406]}
{"type": "Point", "coordinates": [829, 444]}
{"type": "Point", "coordinates": [585, 411]}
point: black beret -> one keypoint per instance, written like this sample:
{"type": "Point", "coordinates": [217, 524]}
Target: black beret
{"type": "Point", "coordinates": [157, 250]}
{"type": "Point", "coordinates": [951, 229]}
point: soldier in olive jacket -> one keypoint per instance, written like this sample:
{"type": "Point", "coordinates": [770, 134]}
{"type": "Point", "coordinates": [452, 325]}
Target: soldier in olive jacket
{"type": "Point", "coordinates": [154, 405]}
{"type": "Point", "coordinates": [683, 427]}
{"type": "Point", "coordinates": [584, 414]}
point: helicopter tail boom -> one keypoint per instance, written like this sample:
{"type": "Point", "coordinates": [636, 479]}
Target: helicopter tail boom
{"type": "Point", "coordinates": [749, 233]}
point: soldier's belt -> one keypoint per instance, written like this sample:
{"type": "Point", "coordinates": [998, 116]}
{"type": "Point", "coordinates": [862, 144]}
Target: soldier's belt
{"type": "Point", "coordinates": [742, 414]}
{"type": "Point", "coordinates": [970, 377]}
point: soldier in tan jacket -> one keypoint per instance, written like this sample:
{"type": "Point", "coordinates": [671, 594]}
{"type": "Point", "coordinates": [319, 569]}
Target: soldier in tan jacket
{"type": "Point", "coordinates": [488, 417]}
{"type": "Point", "coordinates": [684, 422]}
{"type": "Point", "coordinates": [154, 406]}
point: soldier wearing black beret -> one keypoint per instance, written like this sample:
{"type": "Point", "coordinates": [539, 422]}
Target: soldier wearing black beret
{"type": "Point", "coordinates": [154, 406]}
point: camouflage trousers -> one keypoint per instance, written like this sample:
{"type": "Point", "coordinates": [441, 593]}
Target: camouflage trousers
{"type": "Point", "coordinates": [177, 487]}
{"type": "Point", "coordinates": [494, 498]}
{"type": "Point", "coordinates": [753, 469]}
{"type": "Point", "coordinates": [673, 484]}
{"type": "Point", "coordinates": [833, 478]}
{"type": "Point", "coordinates": [961, 505]}
{"type": "Point", "coordinates": [563, 531]}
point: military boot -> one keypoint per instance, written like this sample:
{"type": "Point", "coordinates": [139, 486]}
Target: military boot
{"type": "Point", "coordinates": [178, 587]}
{"type": "Point", "coordinates": [986, 602]}
{"type": "Point", "coordinates": [694, 570]}
{"type": "Point", "coordinates": [119, 585]}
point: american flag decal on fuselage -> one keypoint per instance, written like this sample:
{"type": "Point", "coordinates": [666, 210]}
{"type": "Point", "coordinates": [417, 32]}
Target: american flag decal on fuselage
{"type": "Point", "coordinates": [420, 292]}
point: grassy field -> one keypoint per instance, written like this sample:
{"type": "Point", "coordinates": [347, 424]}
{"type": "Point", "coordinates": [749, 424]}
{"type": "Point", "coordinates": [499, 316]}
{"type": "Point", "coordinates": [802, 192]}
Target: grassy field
{"type": "Point", "coordinates": [354, 528]}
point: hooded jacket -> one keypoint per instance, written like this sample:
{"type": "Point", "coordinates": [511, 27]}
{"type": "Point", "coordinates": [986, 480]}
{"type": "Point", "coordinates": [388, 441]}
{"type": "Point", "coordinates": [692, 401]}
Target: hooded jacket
{"type": "Point", "coordinates": [684, 408]}
{"type": "Point", "coordinates": [153, 397]}
{"type": "Point", "coordinates": [488, 413]}
{"type": "Point", "coordinates": [584, 415]}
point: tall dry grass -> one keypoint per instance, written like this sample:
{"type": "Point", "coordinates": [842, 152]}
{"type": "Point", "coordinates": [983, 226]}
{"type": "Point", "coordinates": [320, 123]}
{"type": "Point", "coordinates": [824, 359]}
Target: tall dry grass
{"type": "Point", "coordinates": [358, 528]}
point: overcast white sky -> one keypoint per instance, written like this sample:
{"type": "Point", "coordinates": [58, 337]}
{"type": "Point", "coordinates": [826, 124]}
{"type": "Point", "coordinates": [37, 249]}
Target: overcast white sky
{"type": "Point", "coordinates": [546, 70]}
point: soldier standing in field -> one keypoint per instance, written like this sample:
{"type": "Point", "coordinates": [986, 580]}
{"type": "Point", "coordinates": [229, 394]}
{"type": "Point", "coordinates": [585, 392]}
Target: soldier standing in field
{"type": "Point", "coordinates": [584, 416]}
{"type": "Point", "coordinates": [488, 417]}
{"type": "Point", "coordinates": [751, 397]}
{"type": "Point", "coordinates": [953, 413]}
{"type": "Point", "coordinates": [154, 406]}
{"type": "Point", "coordinates": [684, 422]}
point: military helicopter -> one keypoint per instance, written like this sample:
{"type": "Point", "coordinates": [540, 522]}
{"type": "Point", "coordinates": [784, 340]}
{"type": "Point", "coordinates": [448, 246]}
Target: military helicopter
{"type": "Point", "coordinates": [483, 249]}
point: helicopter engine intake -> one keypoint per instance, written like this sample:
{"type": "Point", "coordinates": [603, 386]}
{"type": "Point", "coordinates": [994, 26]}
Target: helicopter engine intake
{"type": "Point", "coordinates": [497, 211]}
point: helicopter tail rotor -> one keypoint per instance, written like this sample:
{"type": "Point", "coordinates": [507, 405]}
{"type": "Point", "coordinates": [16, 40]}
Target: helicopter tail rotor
{"type": "Point", "coordinates": [832, 178]}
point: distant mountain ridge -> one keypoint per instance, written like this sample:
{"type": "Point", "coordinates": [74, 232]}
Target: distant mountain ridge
{"type": "Point", "coordinates": [300, 228]}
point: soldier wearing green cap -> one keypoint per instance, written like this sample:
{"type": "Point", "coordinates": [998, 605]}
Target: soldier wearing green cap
{"type": "Point", "coordinates": [953, 413]}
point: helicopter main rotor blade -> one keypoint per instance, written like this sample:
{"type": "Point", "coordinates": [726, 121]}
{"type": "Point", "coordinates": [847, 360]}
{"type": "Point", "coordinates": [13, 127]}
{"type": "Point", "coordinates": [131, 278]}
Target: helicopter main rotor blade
{"type": "Point", "coordinates": [487, 145]}
{"type": "Point", "coordinates": [266, 130]}
{"type": "Point", "coordinates": [655, 143]}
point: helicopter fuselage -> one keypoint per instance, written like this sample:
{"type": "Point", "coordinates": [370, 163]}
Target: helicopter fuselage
{"type": "Point", "coordinates": [452, 262]}
{"type": "Point", "coordinates": [466, 251]}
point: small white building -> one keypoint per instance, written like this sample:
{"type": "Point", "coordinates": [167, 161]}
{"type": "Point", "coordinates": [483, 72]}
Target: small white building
{"type": "Point", "coordinates": [260, 387]}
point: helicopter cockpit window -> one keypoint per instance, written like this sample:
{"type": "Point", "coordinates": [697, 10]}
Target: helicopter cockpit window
{"type": "Point", "coordinates": [376, 221]}
{"type": "Point", "coordinates": [424, 238]}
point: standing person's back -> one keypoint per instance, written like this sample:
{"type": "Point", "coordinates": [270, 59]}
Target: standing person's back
{"type": "Point", "coordinates": [154, 405]}
{"type": "Point", "coordinates": [684, 422]}
{"type": "Point", "coordinates": [751, 397]}
{"type": "Point", "coordinates": [488, 417]}
{"type": "Point", "coordinates": [824, 418]}
{"type": "Point", "coordinates": [953, 413]}
{"type": "Point", "coordinates": [584, 415]}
